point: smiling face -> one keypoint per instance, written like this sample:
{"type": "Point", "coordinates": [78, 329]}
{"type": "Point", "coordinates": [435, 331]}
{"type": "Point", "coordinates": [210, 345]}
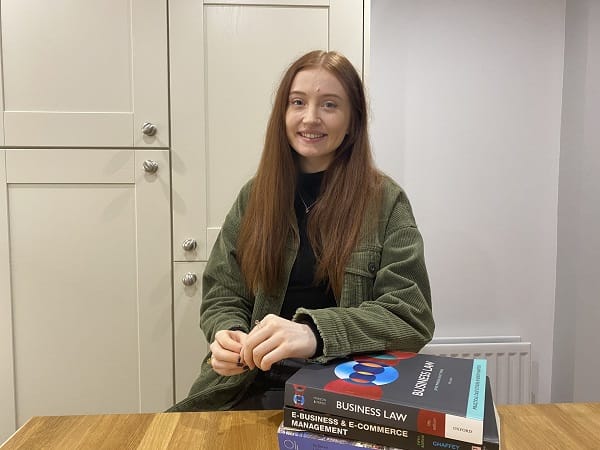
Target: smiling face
{"type": "Point", "coordinates": [317, 118]}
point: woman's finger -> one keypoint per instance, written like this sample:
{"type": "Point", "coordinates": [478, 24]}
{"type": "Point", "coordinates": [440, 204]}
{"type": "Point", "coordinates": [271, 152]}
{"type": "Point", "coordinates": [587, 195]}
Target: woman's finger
{"type": "Point", "coordinates": [224, 361]}
{"type": "Point", "coordinates": [262, 349]}
{"type": "Point", "coordinates": [230, 340]}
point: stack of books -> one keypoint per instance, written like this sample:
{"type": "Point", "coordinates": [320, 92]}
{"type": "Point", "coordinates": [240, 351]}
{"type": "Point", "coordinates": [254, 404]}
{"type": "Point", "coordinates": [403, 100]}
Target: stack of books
{"type": "Point", "coordinates": [390, 400]}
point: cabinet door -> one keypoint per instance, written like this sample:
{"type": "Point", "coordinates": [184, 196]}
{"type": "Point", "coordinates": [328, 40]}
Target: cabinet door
{"type": "Point", "coordinates": [7, 385]}
{"type": "Point", "coordinates": [84, 74]}
{"type": "Point", "coordinates": [226, 60]}
{"type": "Point", "coordinates": [1, 102]}
{"type": "Point", "coordinates": [90, 275]}
{"type": "Point", "coordinates": [190, 344]}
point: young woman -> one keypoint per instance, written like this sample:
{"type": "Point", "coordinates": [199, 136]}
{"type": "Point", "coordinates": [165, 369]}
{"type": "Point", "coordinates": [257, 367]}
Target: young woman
{"type": "Point", "coordinates": [319, 257]}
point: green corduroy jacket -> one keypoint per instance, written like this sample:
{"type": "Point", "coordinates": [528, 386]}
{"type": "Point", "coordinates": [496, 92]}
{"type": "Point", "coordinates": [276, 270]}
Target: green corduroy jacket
{"type": "Point", "coordinates": [385, 302]}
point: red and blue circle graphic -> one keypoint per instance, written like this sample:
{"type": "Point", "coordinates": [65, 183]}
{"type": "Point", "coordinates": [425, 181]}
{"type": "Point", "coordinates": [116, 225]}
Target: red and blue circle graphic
{"type": "Point", "coordinates": [364, 375]}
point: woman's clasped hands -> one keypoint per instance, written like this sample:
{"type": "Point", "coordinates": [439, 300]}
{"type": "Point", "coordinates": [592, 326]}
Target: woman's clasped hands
{"type": "Point", "coordinates": [271, 340]}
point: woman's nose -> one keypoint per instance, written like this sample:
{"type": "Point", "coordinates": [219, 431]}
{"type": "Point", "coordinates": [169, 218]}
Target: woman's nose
{"type": "Point", "coordinates": [311, 115]}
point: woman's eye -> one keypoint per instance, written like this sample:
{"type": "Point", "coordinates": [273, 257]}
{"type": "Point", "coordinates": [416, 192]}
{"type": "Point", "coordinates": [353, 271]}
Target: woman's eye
{"type": "Point", "coordinates": [296, 102]}
{"type": "Point", "coordinates": [329, 105]}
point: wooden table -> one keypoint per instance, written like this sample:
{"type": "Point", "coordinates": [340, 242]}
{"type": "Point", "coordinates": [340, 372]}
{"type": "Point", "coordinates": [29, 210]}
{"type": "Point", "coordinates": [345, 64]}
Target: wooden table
{"type": "Point", "coordinates": [566, 426]}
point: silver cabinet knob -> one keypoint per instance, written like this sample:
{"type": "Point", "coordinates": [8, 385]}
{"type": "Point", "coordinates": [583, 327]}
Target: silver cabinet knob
{"type": "Point", "coordinates": [149, 129]}
{"type": "Point", "coordinates": [189, 279]}
{"type": "Point", "coordinates": [150, 166]}
{"type": "Point", "coordinates": [189, 245]}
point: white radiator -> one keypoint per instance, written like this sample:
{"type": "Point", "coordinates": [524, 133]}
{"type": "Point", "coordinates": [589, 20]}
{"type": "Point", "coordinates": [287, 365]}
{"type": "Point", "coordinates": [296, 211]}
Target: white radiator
{"type": "Point", "coordinates": [508, 363]}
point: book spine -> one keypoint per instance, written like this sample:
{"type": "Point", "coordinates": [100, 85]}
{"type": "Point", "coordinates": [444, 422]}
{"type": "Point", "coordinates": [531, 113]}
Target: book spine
{"type": "Point", "coordinates": [384, 413]}
{"type": "Point", "coordinates": [339, 427]}
{"type": "Point", "coordinates": [303, 440]}
{"type": "Point", "coordinates": [356, 430]}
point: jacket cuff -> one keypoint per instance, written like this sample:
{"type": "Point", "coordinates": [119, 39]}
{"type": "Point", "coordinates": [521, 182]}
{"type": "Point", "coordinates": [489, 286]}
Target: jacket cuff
{"type": "Point", "coordinates": [307, 320]}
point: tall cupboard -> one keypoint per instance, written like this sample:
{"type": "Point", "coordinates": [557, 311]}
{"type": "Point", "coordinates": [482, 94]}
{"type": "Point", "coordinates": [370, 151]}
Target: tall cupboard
{"type": "Point", "coordinates": [128, 128]}
{"type": "Point", "coordinates": [226, 58]}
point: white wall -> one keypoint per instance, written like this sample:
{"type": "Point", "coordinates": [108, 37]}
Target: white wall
{"type": "Point", "coordinates": [576, 366]}
{"type": "Point", "coordinates": [466, 101]}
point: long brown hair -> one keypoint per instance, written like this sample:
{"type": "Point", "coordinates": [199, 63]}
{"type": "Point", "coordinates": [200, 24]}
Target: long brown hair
{"type": "Point", "coordinates": [350, 190]}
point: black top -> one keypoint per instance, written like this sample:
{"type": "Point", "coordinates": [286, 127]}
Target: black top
{"type": "Point", "coordinates": [302, 290]}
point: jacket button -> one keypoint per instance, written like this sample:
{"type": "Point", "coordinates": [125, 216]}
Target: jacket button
{"type": "Point", "coordinates": [372, 267]}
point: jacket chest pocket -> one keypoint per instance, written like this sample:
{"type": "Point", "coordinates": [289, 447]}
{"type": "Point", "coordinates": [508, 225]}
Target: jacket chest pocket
{"type": "Point", "coordinates": [359, 276]}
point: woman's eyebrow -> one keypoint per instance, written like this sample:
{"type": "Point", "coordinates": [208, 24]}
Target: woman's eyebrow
{"type": "Point", "coordinates": [324, 94]}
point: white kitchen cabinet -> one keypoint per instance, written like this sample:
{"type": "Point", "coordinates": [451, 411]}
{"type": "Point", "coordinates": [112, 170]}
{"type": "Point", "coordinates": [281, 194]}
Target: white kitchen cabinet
{"type": "Point", "coordinates": [190, 344]}
{"type": "Point", "coordinates": [226, 59]}
{"type": "Point", "coordinates": [94, 316]}
{"type": "Point", "coordinates": [85, 74]}
{"type": "Point", "coordinates": [1, 102]}
{"type": "Point", "coordinates": [89, 258]}
{"type": "Point", "coordinates": [7, 385]}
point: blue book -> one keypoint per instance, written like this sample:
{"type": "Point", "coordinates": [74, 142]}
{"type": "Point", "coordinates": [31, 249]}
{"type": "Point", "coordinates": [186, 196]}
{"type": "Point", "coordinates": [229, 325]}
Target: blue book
{"type": "Point", "coordinates": [292, 439]}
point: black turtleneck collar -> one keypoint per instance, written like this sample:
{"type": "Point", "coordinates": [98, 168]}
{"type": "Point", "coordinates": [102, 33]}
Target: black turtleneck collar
{"type": "Point", "coordinates": [309, 185]}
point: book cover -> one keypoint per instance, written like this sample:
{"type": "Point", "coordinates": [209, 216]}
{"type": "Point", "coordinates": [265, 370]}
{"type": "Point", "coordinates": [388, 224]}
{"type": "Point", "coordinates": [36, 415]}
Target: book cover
{"type": "Point", "coordinates": [314, 426]}
{"type": "Point", "coordinates": [292, 439]}
{"type": "Point", "coordinates": [491, 420]}
{"type": "Point", "coordinates": [349, 431]}
{"type": "Point", "coordinates": [434, 395]}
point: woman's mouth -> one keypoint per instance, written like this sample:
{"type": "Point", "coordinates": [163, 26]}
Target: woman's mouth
{"type": "Point", "coordinates": [311, 136]}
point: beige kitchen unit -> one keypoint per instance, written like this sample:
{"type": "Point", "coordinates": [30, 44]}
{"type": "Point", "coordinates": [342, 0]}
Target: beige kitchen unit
{"type": "Point", "coordinates": [85, 215]}
{"type": "Point", "coordinates": [226, 59]}
{"type": "Point", "coordinates": [89, 256]}
{"type": "Point", "coordinates": [190, 344]}
{"type": "Point", "coordinates": [85, 74]}
{"type": "Point", "coordinates": [128, 128]}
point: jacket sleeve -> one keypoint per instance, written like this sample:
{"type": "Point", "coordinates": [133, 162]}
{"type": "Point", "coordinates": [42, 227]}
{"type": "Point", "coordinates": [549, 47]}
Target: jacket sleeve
{"type": "Point", "coordinates": [226, 302]}
{"type": "Point", "coordinates": [397, 314]}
